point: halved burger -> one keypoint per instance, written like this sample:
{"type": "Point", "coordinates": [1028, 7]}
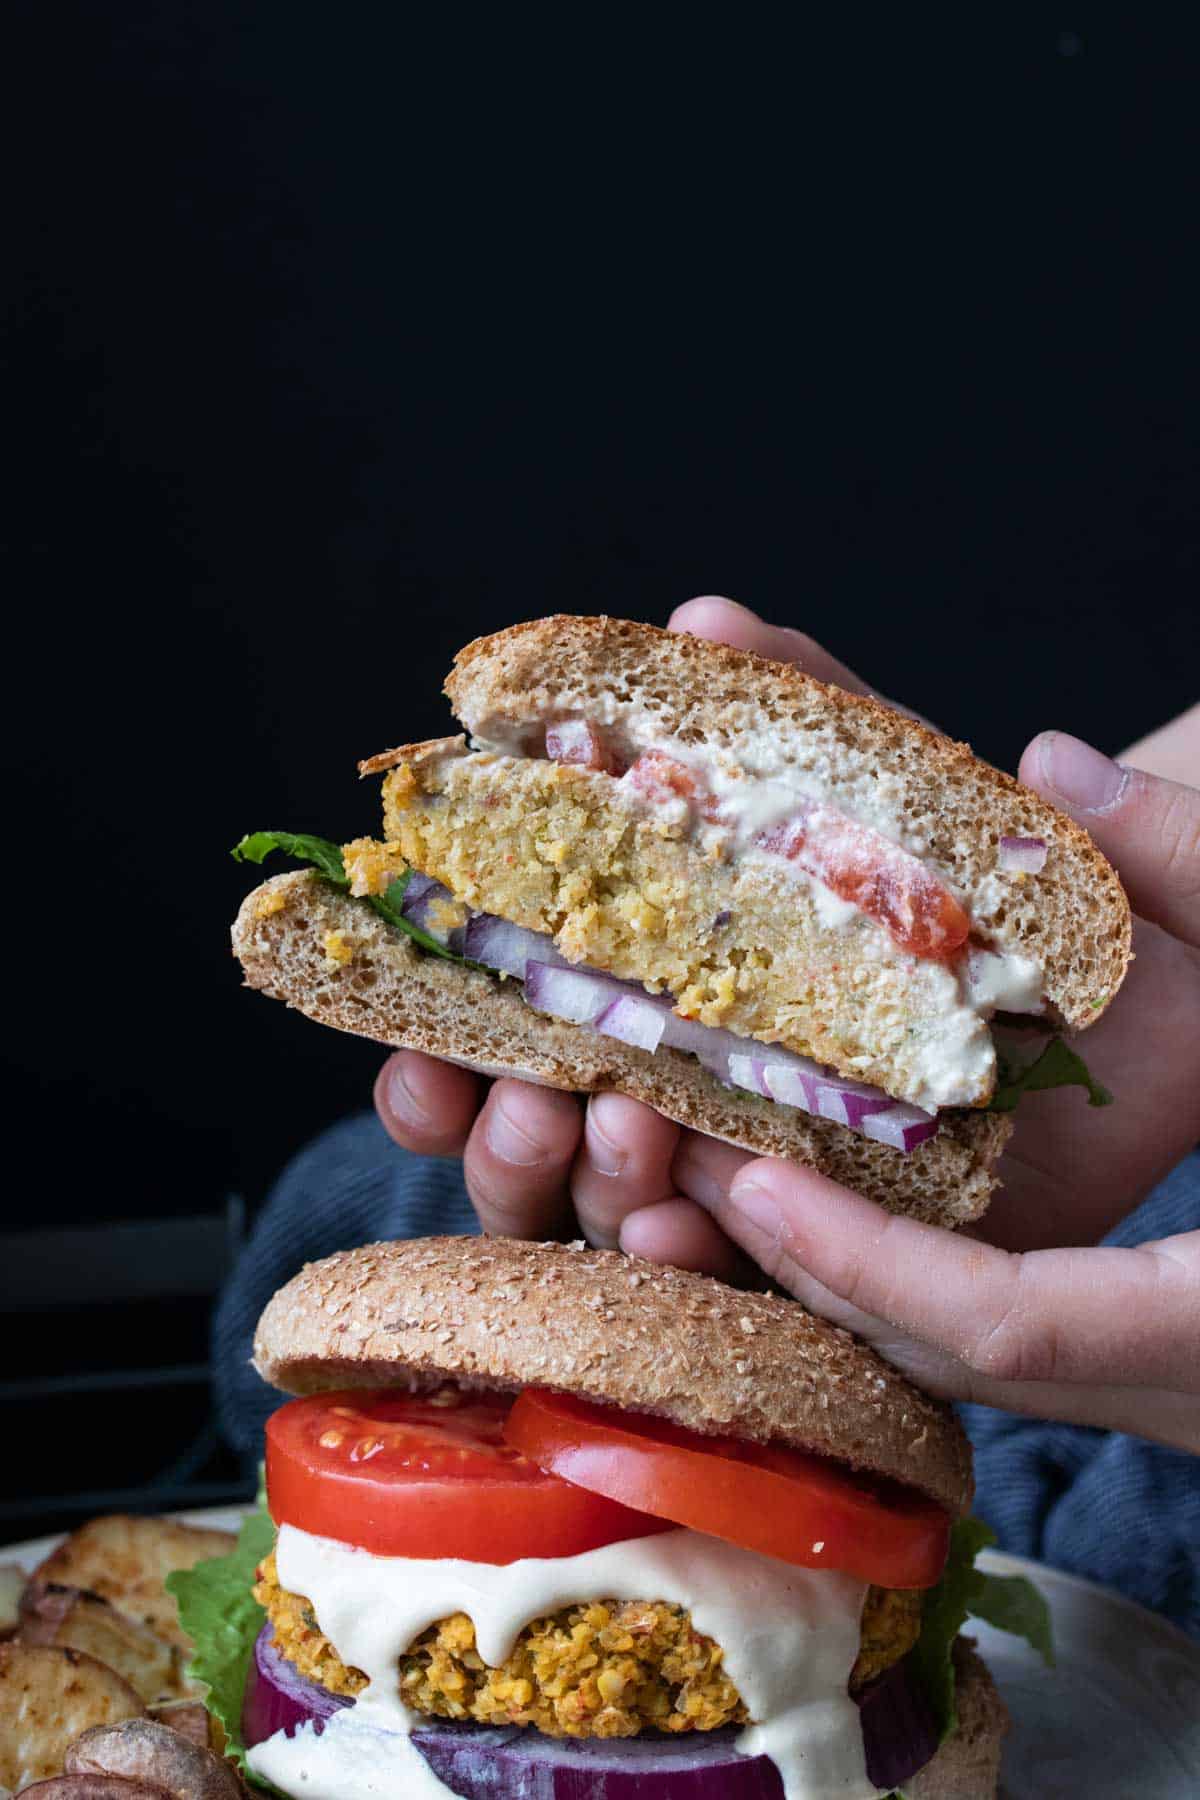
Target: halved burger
{"type": "Point", "coordinates": [780, 913]}
{"type": "Point", "coordinates": [551, 1522]}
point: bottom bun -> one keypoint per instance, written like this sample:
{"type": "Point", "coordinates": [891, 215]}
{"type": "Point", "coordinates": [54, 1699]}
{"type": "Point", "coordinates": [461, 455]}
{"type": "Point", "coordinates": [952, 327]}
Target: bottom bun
{"type": "Point", "coordinates": [392, 992]}
{"type": "Point", "coordinates": [967, 1767]}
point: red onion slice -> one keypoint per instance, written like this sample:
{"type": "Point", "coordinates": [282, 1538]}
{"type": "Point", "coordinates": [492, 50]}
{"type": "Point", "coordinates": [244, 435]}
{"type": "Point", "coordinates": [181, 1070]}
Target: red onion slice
{"type": "Point", "coordinates": [577, 995]}
{"type": "Point", "coordinates": [625, 1011]}
{"type": "Point", "coordinates": [748, 1070]}
{"type": "Point", "coordinates": [421, 895]}
{"type": "Point", "coordinates": [1022, 855]}
{"type": "Point", "coordinates": [635, 1019]}
{"type": "Point", "coordinates": [478, 1762]}
{"type": "Point", "coordinates": [901, 1126]}
{"type": "Point", "coordinates": [582, 744]}
{"type": "Point", "coordinates": [900, 1732]}
{"type": "Point", "coordinates": [851, 1102]}
{"type": "Point", "coordinates": [507, 948]}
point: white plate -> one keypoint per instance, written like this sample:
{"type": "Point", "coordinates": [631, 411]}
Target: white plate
{"type": "Point", "coordinates": [1117, 1719]}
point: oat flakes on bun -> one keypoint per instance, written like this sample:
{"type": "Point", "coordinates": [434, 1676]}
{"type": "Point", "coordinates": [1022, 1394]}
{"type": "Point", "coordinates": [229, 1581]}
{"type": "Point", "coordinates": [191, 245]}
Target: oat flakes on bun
{"type": "Point", "coordinates": [552, 1521]}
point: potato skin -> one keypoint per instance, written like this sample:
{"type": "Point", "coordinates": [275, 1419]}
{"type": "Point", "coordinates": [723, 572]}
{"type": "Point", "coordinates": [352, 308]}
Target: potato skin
{"type": "Point", "coordinates": [150, 1754]}
{"type": "Point", "coordinates": [48, 1696]}
{"type": "Point", "coordinates": [126, 1560]}
{"type": "Point", "coordinates": [89, 1787]}
{"type": "Point", "coordinates": [77, 1620]}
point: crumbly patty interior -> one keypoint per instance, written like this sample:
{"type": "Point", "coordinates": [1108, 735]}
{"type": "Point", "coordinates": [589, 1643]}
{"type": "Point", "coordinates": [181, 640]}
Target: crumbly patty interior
{"type": "Point", "coordinates": [567, 851]}
{"type": "Point", "coordinates": [603, 1668]}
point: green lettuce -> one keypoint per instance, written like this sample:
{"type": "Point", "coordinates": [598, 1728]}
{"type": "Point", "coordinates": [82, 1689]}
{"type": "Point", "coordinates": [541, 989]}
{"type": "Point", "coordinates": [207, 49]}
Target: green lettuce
{"type": "Point", "coordinates": [326, 857]}
{"type": "Point", "coordinates": [222, 1618]}
{"type": "Point", "coordinates": [1009, 1602]}
{"type": "Point", "coordinates": [1056, 1065]}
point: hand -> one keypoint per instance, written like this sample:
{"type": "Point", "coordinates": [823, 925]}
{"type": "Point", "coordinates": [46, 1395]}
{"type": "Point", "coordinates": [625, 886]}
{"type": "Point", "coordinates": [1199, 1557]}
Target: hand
{"type": "Point", "coordinates": [1072, 1172]}
{"type": "Point", "coordinates": [537, 1163]}
{"type": "Point", "coordinates": [1101, 1336]}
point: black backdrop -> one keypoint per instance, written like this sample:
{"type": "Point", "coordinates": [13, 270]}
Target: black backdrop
{"type": "Point", "coordinates": [339, 337]}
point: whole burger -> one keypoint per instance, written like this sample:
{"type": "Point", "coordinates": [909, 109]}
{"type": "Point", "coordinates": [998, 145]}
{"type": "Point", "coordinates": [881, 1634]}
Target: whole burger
{"type": "Point", "coordinates": [550, 1523]}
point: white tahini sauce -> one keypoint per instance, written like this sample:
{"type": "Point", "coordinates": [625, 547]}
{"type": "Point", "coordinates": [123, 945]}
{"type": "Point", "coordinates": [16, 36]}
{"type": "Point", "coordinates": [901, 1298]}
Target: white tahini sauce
{"type": "Point", "coordinates": [790, 1638]}
{"type": "Point", "coordinates": [761, 776]}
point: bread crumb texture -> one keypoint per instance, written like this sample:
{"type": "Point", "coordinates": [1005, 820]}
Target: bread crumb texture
{"type": "Point", "coordinates": [1073, 917]}
{"type": "Point", "coordinates": [568, 852]}
{"type": "Point", "coordinates": [394, 995]}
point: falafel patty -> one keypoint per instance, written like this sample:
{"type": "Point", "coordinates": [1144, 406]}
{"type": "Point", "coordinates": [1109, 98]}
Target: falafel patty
{"type": "Point", "coordinates": [603, 1668]}
{"type": "Point", "coordinates": [621, 887]}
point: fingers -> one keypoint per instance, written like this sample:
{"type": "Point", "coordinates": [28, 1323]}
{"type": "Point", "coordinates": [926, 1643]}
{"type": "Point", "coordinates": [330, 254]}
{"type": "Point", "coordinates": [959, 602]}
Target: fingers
{"type": "Point", "coordinates": [518, 1160]}
{"type": "Point", "coordinates": [623, 1163]}
{"type": "Point", "coordinates": [426, 1105]}
{"type": "Point", "coordinates": [728, 622]}
{"type": "Point", "coordinates": [1117, 1317]}
{"type": "Point", "coordinates": [1173, 750]}
{"type": "Point", "coordinates": [681, 1233]}
{"type": "Point", "coordinates": [705, 1170]}
{"type": "Point", "coordinates": [1148, 827]}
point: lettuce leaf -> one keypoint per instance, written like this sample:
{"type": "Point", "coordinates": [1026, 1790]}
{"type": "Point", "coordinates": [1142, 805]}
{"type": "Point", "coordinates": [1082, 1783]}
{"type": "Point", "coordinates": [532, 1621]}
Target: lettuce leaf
{"type": "Point", "coordinates": [1009, 1602]}
{"type": "Point", "coordinates": [1057, 1065]}
{"type": "Point", "coordinates": [256, 846]}
{"type": "Point", "coordinates": [327, 858]}
{"type": "Point", "coordinates": [222, 1618]}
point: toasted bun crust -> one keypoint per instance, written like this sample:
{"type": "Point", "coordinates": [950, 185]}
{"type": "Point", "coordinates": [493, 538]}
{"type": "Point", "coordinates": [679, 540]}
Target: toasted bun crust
{"type": "Point", "coordinates": [392, 993]}
{"type": "Point", "coordinates": [505, 1314]}
{"type": "Point", "coordinates": [1073, 916]}
{"type": "Point", "coordinates": [967, 1767]}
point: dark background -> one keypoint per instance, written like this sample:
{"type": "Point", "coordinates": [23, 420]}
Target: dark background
{"type": "Point", "coordinates": [338, 337]}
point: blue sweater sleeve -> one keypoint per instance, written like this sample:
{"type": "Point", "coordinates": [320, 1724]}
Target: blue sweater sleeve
{"type": "Point", "coordinates": [352, 1185]}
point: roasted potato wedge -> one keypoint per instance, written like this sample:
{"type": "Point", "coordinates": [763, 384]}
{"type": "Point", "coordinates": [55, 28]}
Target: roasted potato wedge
{"type": "Point", "coordinates": [154, 1756]}
{"type": "Point", "coordinates": [12, 1586]}
{"type": "Point", "coordinates": [126, 1559]}
{"type": "Point", "coordinates": [83, 1621]}
{"type": "Point", "coordinates": [48, 1696]}
{"type": "Point", "coordinates": [90, 1787]}
{"type": "Point", "coordinates": [191, 1718]}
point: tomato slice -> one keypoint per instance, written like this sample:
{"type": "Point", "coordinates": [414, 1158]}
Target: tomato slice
{"type": "Point", "coordinates": [660, 779]}
{"type": "Point", "coordinates": [882, 880]}
{"type": "Point", "coordinates": [858, 864]}
{"type": "Point", "coordinates": [429, 1476]}
{"type": "Point", "coordinates": [783, 1503]}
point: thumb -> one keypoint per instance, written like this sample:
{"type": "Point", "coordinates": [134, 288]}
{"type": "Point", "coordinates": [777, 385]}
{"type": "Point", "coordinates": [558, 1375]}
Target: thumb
{"type": "Point", "coordinates": [1149, 828]}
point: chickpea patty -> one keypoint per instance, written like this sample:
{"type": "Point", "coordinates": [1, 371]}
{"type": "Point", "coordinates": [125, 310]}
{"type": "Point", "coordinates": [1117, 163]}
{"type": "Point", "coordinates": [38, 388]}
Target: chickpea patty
{"type": "Point", "coordinates": [603, 1668]}
{"type": "Point", "coordinates": [568, 852]}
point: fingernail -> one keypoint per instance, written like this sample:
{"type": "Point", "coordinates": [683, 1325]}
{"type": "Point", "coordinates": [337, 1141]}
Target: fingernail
{"type": "Point", "coordinates": [507, 1141]}
{"type": "Point", "coordinates": [404, 1103]}
{"type": "Point", "coordinates": [716, 600]}
{"type": "Point", "coordinates": [605, 1154]}
{"type": "Point", "coordinates": [758, 1207]}
{"type": "Point", "coordinates": [1085, 778]}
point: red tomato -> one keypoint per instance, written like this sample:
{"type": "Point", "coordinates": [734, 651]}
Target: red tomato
{"type": "Point", "coordinates": [881, 879]}
{"type": "Point", "coordinates": [428, 1476]}
{"type": "Point", "coordinates": [858, 864]}
{"type": "Point", "coordinates": [581, 743]}
{"type": "Point", "coordinates": [783, 1503]}
{"type": "Point", "coordinates": [661, 778]}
